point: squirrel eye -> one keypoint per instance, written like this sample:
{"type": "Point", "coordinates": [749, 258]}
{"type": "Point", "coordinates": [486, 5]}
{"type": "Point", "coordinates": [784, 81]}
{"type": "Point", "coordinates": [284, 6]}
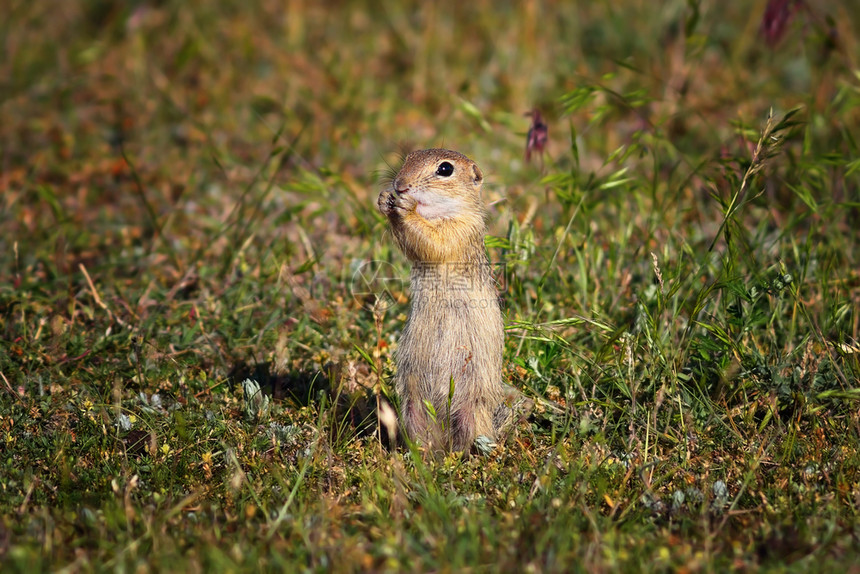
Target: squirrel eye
{"type": "Point", "coordinates": [445, 169]}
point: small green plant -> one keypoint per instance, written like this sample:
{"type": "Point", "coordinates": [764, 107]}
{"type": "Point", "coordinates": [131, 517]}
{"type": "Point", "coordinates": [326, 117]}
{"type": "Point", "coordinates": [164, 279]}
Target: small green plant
{"type": "Point", "coordinates": [257, 404]}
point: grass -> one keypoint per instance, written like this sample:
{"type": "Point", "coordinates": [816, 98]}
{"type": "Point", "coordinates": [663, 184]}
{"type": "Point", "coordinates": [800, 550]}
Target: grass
{"type": "Point", "coordinates": [188, 192]}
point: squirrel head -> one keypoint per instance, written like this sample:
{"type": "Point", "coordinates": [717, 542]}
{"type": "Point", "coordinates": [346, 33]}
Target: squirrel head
{"type": "Point", "coordinates": [444, 184]}
{"type": "Point", "coordinates": [434, 207]}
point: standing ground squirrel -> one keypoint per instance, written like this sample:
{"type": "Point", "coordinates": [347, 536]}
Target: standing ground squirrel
{"type": "Point", "coordinates": [450, 353]}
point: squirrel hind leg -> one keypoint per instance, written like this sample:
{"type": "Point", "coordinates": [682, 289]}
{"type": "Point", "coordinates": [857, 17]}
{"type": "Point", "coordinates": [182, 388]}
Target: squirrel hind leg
{"type": "Point", "coordinates": [420, 427]}
{"type": "Point", "coordinates": [469, 424]}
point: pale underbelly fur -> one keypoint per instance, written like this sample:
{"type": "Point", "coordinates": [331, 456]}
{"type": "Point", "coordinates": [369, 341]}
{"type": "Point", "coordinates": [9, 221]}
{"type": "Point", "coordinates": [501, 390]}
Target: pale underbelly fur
{"type": "Point", "coordinates": [450, 356]}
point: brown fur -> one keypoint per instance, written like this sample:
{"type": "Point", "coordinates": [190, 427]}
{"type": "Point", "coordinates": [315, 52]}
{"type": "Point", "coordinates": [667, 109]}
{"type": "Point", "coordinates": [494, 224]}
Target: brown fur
{"type": "Point", "coordinates": [450, 352]}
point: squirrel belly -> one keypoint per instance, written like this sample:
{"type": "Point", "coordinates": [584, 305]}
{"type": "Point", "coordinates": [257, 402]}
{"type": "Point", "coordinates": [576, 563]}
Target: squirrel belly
{"type": "Point", "coordinates": [450, 356]}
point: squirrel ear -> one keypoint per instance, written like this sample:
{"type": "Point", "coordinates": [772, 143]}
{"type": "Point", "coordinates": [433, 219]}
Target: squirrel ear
{"type": "Point", "coordinates": [479, 177]}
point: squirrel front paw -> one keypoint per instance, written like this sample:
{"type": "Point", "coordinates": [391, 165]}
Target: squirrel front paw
{"type": "Point", "coordinates": [391, 203]}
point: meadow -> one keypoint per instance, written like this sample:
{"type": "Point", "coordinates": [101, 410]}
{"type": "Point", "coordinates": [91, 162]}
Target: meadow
{"type": "Point", "coordinates": [188, 202]}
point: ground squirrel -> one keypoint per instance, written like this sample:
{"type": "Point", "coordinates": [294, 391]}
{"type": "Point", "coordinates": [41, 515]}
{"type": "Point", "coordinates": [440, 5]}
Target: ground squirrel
{"type": "Point", "coordinates": [449, 358]}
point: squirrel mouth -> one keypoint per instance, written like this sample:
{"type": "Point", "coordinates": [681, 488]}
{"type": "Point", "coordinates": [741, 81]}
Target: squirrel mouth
{"type": "Point", "coordinates": [396, 185]}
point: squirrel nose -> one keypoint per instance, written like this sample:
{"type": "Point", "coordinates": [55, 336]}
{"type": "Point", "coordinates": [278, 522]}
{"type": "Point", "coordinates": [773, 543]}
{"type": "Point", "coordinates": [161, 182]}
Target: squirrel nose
{"type": "Point", "coordinates": [398, 188]}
